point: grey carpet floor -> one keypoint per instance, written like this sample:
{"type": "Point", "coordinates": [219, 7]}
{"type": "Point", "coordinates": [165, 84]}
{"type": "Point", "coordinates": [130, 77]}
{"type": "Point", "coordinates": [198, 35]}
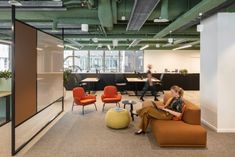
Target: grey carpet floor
{"type": "Point", "coordinates": [87, 136]}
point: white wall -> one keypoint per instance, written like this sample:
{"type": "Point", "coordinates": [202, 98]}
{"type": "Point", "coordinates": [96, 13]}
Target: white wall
{"type": "Point", "coordinates": [208, 75]}
{"type": "Point", "coordinates": [181, 59]}
{"type": "Point", "coordinates": [218, 72]}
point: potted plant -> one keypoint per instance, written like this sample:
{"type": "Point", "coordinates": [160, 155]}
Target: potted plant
{"type": "Point", "coordinates": [183, 72]}
{"type": "Point", "coordinates": [5, 80]}
{"type": "Point", "coordinates": [67, 75]}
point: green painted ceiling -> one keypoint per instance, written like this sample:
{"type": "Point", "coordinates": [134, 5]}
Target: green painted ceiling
{"type": "Point", "coordinates": [104, 18]}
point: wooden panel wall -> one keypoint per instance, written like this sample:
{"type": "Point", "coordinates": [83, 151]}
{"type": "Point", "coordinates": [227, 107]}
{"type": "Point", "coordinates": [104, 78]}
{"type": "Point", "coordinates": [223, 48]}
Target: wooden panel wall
{"type": "Point", "coordinates": [25, 72]}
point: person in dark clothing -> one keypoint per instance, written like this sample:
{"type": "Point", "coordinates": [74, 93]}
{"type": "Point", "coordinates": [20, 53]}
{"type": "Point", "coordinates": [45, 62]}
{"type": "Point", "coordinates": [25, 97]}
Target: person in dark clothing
{"type": "Point", "coordinates": [149, 85]}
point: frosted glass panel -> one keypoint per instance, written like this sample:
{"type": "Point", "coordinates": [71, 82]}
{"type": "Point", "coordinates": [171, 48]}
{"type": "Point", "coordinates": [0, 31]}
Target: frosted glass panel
{"type": "Point", "coordinates": [49, 70]}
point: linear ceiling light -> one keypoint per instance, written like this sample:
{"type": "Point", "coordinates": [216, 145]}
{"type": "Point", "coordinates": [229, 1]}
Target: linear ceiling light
{"type": "Point", "coordinates": [72, 47]}
{"type": "Point", "coordinates": [182, 47]}
{"type": "Point", "coordinates": [144, 47]}
{"type": "Point", "coordinates": [5, 41]}
{"type": "Point", "coordinates": [134, 42]}
{"type": "Point", "coordinates": [61, 46]}
{"type": "Point", "coordinates": [108, 46]}
{"type": "Point", "coordinates": [14, 2]}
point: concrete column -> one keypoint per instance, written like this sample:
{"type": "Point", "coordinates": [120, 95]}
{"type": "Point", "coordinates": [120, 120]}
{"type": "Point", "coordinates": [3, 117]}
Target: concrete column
{"type": "Point", "coordinates": [217, 79]}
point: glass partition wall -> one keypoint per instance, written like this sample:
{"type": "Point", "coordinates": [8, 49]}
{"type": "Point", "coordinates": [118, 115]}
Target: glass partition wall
{"type": "Point", "coordinates": [103, 61]}
{"type": "Point", "coordinates": [4, 57]}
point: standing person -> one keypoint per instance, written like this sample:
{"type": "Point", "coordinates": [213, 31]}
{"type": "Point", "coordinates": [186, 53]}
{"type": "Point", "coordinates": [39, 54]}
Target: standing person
{"type": "Point", "coordinates": [149, 85]}
{"type": "Point", "coordinates": [172, 108]}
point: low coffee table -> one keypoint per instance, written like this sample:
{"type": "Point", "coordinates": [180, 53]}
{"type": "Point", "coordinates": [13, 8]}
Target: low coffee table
{"type": "Point", "coordinates": [131, 103]}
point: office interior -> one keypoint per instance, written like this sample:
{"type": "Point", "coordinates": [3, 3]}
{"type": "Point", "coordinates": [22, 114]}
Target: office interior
{"type": "Point", "coordinates": [73, 74]}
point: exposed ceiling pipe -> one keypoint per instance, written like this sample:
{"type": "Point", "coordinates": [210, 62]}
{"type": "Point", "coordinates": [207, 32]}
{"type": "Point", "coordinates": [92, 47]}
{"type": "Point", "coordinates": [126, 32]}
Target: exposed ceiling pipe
{"type": "Point", "coordinates": [74, 42]}
{"type": "Point", "coordinates": [141, 10]}
{"type": "Point", "coordinates": [73, 22]}
{"type": "Point", "coordinates": [174, 43]}
{"type": "Point", "coordinates": [105, 14]}
{"type": "Point", "coordinates": [31, 4]}
{"type": "Point", "coordinates": [78, 3]}
{"type": "Point", "coordinates": [103, 30]}
{"type": "Point", "coordinates": [202, 7]}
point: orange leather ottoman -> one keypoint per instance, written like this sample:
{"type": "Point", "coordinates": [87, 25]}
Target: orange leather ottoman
{"type": "Point", "coordinates": [178, 133]}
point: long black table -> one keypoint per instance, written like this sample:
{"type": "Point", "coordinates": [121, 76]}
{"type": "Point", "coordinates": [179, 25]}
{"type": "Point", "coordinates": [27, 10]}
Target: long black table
{"type": "Point", "coordinates": [189, 81]}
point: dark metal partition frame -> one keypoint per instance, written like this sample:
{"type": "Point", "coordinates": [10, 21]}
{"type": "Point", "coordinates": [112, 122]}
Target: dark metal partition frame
{"type": "Point", "coordinates": [15, 150]}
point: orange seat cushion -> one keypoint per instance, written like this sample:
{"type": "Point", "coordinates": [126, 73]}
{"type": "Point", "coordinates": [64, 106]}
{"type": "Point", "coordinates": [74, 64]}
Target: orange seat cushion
{"type": "Point", "coordinates": [111, 100]}
{"type": "Point", "coordinates": [178, 133]}
{"type": "Point", "coordinates": [87, 101]}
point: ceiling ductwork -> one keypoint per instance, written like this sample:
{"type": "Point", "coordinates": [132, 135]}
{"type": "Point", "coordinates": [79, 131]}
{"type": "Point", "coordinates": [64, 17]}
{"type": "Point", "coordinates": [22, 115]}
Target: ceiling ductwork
{"type": "Point", "coordinates": [141, 10]}
{"type": "Point", "coordinates": [203, 8]}
{"type": "Point", "coordinates": [105, 14]}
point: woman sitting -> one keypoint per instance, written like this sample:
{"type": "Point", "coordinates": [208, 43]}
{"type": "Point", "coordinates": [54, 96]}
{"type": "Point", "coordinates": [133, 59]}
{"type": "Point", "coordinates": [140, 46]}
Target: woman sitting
{"type": "Point", "coordinates": [172, 108]}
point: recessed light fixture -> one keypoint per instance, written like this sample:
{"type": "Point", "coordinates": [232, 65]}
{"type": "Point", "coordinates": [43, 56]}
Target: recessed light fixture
{"type": "Point", "coordinates": [200, 14]}
{"type": "Point", "coordinates": [182, 47]}
{"type": "Point", "coordinates": [160, 20]}
{"type": "Point", "coordinates": [14, 2]}
{"type": "Point", "coordinates": [144, 47]}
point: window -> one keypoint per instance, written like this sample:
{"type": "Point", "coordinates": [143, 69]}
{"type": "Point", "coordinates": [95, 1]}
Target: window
{"type": "Point", "coordinates": [93, 61]}
{"type": "Point", "coordinates": [4, 57]}
{"type": "Point", "coordinates": [96, 61]}
{"type": "Point", "coordinates": [128, 61]}
{"type": "Point", "coordinates": [80, 61]}
{"type": "Point", "coordinates": [68, 59]}
{"type": "Point", "coordinates": [139, 61]}
{"type": "Point", "coordinates": [111, 61]}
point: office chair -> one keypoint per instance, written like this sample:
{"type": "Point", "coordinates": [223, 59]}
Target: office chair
{"type": "Point", "coordinates": [79, 83]}
{"type": "Point", "coordinates": [160, 84]}
{"type": "Point", "coordinates": [121, 83]}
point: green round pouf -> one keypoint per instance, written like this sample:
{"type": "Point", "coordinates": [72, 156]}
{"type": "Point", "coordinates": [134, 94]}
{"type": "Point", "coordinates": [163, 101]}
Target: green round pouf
{"type": "Point", "coordinates": [117, 118]}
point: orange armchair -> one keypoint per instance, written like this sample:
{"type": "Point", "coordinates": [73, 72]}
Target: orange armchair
{"type": "Point", "coordinates": [111, 96]}
{"type": "Point", "coordinates": [80, 98]}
